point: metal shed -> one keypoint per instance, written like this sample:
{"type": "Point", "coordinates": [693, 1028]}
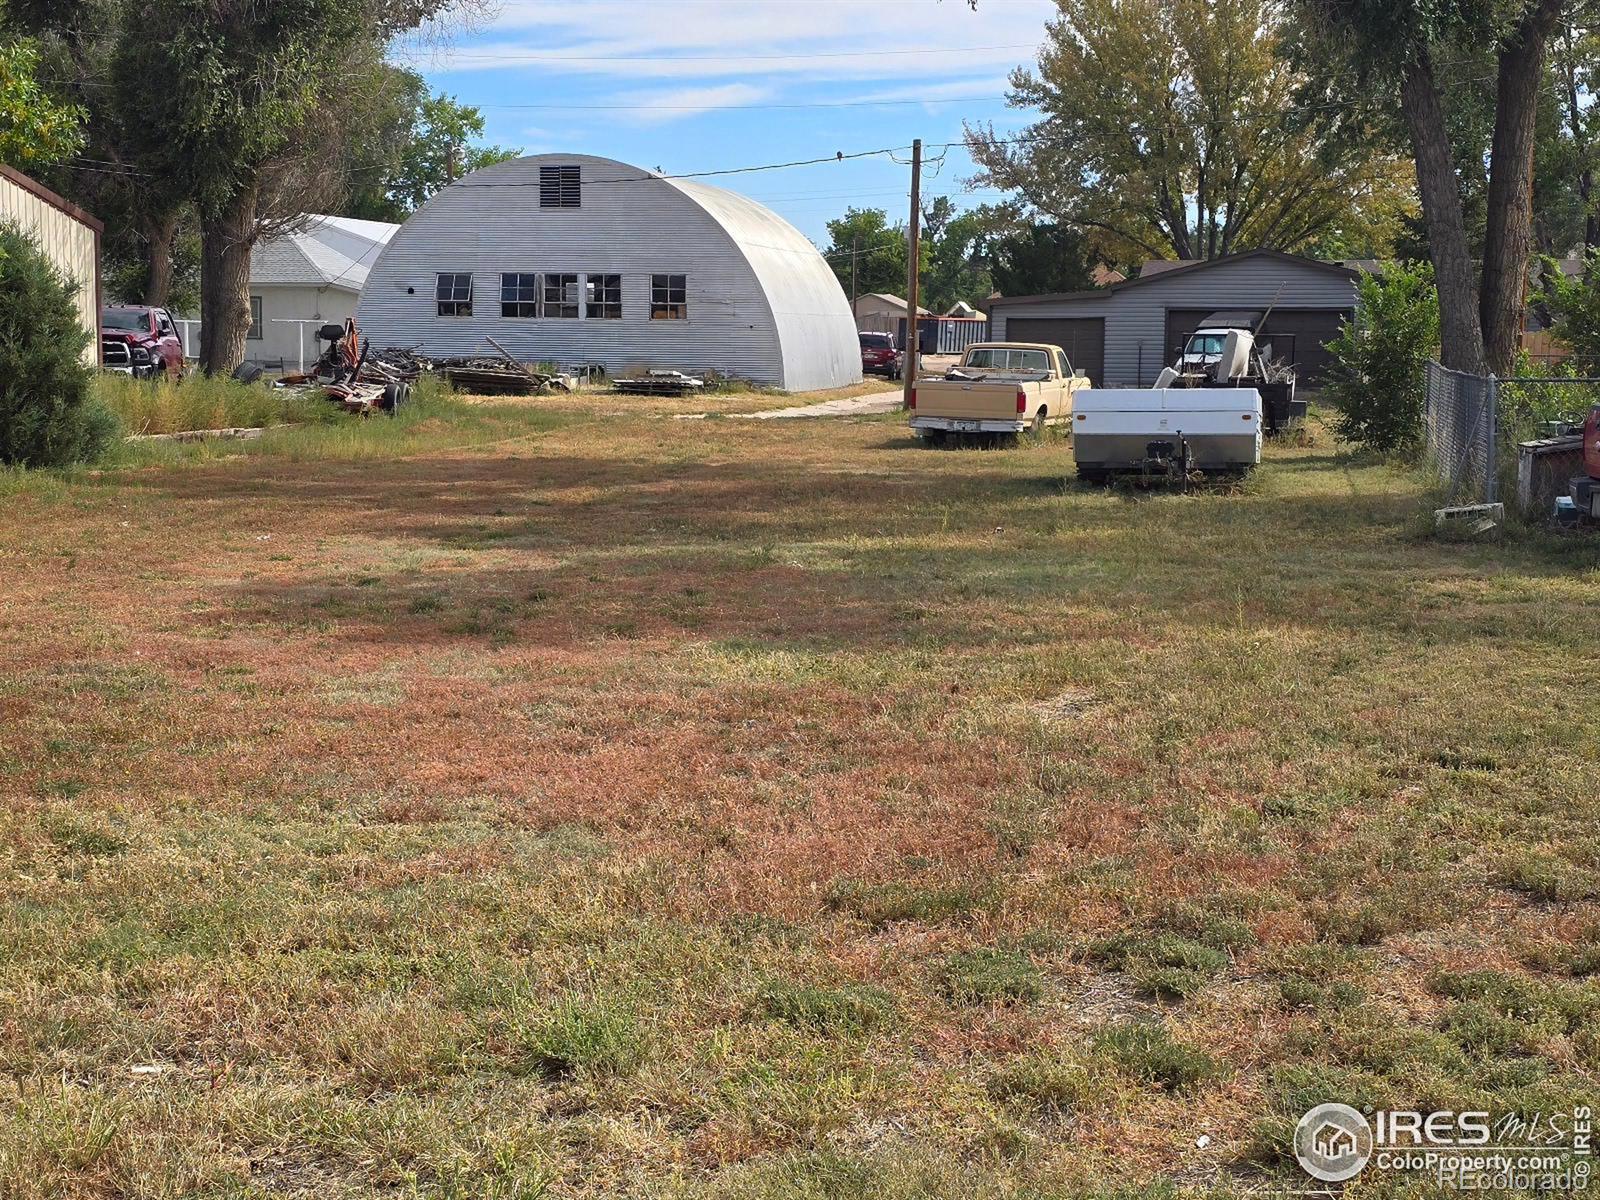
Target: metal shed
{"type": "Point", "coordinates": [69, 237]}
{"type": "Point", "coordinates": [1123, 334]}
{"type": "Point", "coordinates": [569, 258]}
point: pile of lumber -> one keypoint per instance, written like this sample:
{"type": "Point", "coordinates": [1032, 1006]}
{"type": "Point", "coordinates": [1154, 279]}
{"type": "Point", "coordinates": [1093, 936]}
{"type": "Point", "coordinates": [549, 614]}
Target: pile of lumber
{"type": "Point", "coordinates": [503, 376]}
{"type": "Point", "coordinates": [660, 383]}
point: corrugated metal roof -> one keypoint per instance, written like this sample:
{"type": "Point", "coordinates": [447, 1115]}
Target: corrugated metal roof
{"type": "Point", "coordinates": [325, 252]}
{"type": "Point", "coordinates": [762, 303]}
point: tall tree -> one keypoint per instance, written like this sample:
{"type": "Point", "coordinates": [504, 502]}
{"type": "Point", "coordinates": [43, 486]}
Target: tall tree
{"type": "Point", "coordinates": [35, 126]}
{"type": "Point", "coordinates": [1028, 258]}
{"type": "Point", "coordinates": [1169, 130]}
{"type": "Point", "coordinates": [417, 145]}
{"type": "Point", "coordinates": [863, 237]}
{"type": "Point", "coordinates": [958, 255]}
{"type": "Point", "coordinates": [1405, 49]}
{"type": "Point", "coordinates": [247, 116]}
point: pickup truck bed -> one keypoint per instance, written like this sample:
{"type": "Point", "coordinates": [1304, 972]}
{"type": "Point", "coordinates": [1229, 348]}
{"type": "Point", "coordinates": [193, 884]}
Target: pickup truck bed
{"type": "Point", "coordinates": [999, 388]}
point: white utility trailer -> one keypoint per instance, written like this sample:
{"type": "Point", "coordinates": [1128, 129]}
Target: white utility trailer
{"type": "Point", "coordinates": [1166, 430]}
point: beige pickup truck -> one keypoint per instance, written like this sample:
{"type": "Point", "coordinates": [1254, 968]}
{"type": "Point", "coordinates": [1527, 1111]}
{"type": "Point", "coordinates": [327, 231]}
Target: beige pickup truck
{"type": "Point", "coordinates": [998, 388]}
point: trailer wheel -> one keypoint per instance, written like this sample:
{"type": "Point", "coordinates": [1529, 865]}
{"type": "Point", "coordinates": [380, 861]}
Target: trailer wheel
{"type": "Point", "coordinates": [392, 396]}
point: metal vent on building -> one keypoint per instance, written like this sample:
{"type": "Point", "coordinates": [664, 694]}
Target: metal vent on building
{"type": "Point", "coordinates": [558, 187]}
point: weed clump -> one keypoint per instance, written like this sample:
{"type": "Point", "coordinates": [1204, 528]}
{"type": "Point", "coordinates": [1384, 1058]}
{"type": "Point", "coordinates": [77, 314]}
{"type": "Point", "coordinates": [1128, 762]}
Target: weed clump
{"type": "Point", "coordinates": [1166, 965]}
{"type": "Point", "coordinates": [1044, 1082]}
{"type": "Point", "coordinates": [586, 1036]}
{"type": "Point", "coordinates": [852, 1009]}
{"type": "Point", "coordinates": [884, 904]}
{"type": "Point", "coordinates": [1547, 877]}
{"type": "Point", "coordinates": [987, 976]}
{"type": "Point", "coordinates": [1146, 1051]}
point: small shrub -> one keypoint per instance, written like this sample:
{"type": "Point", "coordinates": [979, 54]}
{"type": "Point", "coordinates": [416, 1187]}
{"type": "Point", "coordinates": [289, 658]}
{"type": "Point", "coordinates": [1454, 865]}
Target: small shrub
{"type": "Point", "coordinates": [1376, 376]}
{"type": "Point", "coordinates": [850, 1009]}
{"type": "Point", "coordinates": [1148, 1053]}
{"type": "Point", "coordinates": [986, 976]}
{"type": "Point", "coordinates": [48, 414]}
{"type": "Point", "coordinates": [592, 1036]}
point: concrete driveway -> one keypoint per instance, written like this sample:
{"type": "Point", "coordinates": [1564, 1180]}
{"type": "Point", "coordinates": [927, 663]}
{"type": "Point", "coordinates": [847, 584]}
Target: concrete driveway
{"type": "Point", "coordinates": [877, 402]}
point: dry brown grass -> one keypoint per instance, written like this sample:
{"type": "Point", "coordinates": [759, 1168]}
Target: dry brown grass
{"type": "Point", "coordinates": [446, 820]}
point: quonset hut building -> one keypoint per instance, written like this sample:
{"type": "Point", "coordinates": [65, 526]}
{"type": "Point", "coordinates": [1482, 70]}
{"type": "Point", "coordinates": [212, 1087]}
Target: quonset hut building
{"type": "Point", "coordinates": [572, 259]}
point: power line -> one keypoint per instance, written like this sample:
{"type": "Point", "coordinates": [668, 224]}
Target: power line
{"type": "Point", "coordinates": [735, 107]}
{"type": "Point", "coordinates": [732, 58]}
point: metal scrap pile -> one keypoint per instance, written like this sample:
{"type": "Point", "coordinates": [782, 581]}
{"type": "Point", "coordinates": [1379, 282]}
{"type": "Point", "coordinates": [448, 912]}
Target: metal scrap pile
{"type": "Point", "coordinates": [503, 376]}
{"type": "Point", "coordinates": [352, 375]}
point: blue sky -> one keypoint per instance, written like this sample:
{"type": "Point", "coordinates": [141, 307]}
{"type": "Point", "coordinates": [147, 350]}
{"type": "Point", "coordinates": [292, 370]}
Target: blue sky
{"type": "Point", "coordinates": [696, 85]}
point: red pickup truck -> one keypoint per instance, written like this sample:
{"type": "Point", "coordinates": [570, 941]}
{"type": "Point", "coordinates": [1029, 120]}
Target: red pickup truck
{"type": "Point", "coordinates": [1586, 487]}
{"type": "Point", "coordinates": [141, 341]}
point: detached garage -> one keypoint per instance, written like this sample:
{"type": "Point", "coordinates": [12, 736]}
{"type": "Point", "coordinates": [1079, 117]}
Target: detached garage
{"type": "Point", "coordinates": [1122, 335]}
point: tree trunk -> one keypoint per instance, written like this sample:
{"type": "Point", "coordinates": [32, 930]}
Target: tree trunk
{"type": "Point", "coordinates": [1460, 334]}
{"type": "Point", "coordinates": [1508, 241]}
{"type": "Point", "coordinates": [225, 242]}
{"type": "Point", "coordinates": [160, 233]}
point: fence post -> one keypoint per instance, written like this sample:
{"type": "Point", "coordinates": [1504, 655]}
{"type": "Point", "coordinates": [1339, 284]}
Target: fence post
{"type": "Point", "coordinates": [1491, 488]}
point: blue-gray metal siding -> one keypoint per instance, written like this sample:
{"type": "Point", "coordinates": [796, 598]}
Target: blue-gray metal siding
{"type": "Point", "coordinates": [1136, 317]}
{"type": "Point", "coordinates": [762, 304]}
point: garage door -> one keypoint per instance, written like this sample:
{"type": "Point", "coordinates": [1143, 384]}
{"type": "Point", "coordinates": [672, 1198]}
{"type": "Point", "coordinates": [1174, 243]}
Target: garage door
{"type": "Point", "coordinates": [1083, 338]}
{"type": "Point", "coordinates": [1296, 334]}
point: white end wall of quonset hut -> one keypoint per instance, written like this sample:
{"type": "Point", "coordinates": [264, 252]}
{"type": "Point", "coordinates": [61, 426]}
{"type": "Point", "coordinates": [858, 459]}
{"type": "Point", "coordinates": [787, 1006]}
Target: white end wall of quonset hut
{"type": "Point", "coordinates": [759, 301]}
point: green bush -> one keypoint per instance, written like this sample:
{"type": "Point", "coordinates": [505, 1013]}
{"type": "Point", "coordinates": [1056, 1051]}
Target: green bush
{"type": "Point", "coordinates": [1376, 378]}
{"type": "Point", "coordinates": [48, 416]}
{"type": "Point", "coordinates": [1574, 307]}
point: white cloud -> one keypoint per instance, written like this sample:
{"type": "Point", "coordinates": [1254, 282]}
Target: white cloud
{"type": "Point", "coordinates": [756, 40]}
{"type": "Point", "coordinates": [656, 107]}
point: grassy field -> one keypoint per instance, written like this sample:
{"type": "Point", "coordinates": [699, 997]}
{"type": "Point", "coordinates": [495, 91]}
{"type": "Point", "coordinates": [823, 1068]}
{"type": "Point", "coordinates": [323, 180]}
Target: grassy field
{"type": "Point", "coordinates": [558, 799]}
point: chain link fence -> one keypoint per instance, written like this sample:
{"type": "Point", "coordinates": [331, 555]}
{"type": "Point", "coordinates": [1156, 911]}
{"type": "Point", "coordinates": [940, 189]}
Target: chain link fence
{"type": "Point", "coordinates": [1459, 416]}
{"type": "Point", "coordinates": [1475, 423]}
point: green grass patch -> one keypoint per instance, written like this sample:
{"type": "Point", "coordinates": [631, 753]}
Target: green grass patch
{"type": "Point", "coordinates": [990, 976]}
{"type": "Point", "coordinates": [851, 1009]}
{"type": "Point", "coordinates": [884, 904]}
{"type": "Point", "coordinates": [1162, 964]}
{"type": "Point", "coordinates": [1147, 1052]}
{"type": "Point", "coordinates": [586, 1036]}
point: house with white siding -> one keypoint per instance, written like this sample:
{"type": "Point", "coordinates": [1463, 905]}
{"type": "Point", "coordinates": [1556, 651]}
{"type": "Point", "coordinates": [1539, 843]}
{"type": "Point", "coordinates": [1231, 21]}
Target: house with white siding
{"type": "Point", "coordinates": [573, 259]}
{"type": "Point", "coordinates": [1121, 335]}
{"type": "Point", "coordinates": [307, 276]}
{"type": "Point", "coordinates": [69, 237]}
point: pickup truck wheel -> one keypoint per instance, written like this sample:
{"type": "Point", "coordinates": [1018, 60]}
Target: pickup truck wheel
{"type": "Point", "coordinates": [1038, 426]}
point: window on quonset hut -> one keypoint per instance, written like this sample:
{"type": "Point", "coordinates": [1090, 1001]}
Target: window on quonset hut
{"type": "Point", "coordinates": [603, 295]}
{"type": "Point", "coordinates": [519, 295]}
{"type": "Point", "coordinates": [561, 295]}
{"type": "Point", "coordinates": [559, 187]}
{"type": "Point", "coordinates": [669, 297]}
{"type": "Point", "coordinates": [454, 294]}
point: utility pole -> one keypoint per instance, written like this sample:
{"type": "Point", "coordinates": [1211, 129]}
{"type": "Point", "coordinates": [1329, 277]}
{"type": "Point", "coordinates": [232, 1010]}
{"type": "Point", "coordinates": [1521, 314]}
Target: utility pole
{"type": "Point", "coordinates": [450, 164]}
{"type": "Point", "coordinates": [913, 263]}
